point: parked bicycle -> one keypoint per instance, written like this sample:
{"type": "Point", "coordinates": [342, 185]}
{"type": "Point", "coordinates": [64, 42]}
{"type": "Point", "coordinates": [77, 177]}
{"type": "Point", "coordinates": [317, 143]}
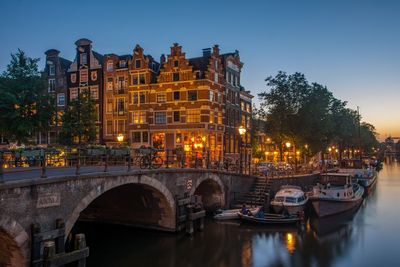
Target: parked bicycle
{"type": "Point", "coordinates": [150, 160]}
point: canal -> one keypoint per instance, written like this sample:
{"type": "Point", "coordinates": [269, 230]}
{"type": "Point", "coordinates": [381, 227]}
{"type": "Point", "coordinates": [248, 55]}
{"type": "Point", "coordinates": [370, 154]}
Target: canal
{"type": "Point", "coordinates": [367, 237]}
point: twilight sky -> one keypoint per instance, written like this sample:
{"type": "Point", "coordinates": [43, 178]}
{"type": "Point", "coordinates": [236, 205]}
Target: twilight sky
{"type": "Point", "coordinates": [352, 47]}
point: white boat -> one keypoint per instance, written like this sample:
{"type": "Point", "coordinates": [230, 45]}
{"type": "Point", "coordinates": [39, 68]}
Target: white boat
{"type": "Point", "coordinates": [365, 177]}
{"type": "Point", "coordinates": [232, 214]}
{"type": "Point", "coordinates": [336, 194]}
{"type": "Point", "coordinates": [290, 199]}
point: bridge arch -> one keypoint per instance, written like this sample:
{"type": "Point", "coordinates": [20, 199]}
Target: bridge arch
{"type": "Point", "coordinates": [110, 185]}
{"type": "Point", "coordinates": [14, 243]}
{"type": "Point", "coordinates": [211, 188]}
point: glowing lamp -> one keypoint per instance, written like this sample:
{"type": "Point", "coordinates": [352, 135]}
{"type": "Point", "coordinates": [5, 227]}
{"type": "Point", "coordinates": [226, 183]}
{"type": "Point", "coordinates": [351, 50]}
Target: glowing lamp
{"type": "Point", "coordinates": [242, 130]}
{"type": "Point", "coordinates": [120, 138]}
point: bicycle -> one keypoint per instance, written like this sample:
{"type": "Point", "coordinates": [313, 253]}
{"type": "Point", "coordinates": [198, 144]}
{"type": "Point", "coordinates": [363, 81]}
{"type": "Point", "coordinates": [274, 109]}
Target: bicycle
{"type": "Point", "coordinates": [151, 161]}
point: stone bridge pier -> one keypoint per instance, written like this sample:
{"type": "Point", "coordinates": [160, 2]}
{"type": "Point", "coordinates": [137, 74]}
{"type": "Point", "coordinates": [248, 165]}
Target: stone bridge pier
{"type": "Point", "coordinates": [138, 198]}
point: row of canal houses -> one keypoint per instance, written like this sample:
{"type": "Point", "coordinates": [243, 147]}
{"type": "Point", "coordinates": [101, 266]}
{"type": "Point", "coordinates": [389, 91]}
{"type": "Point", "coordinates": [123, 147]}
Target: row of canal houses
{"type": "Point", "coordinates": [193, 103]}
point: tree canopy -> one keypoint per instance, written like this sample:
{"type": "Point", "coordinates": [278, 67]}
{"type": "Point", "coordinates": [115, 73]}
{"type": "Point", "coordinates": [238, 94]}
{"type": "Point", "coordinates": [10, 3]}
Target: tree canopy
{"type": "Point", "coordinates": [79, 121]}
{"type": "Point", "coordinates": [308, 114]}
{"type": "Point", "coordinates": [25, 105]}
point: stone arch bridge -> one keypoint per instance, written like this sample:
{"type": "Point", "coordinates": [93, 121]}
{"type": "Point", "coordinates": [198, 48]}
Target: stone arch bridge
{"type": "Point", "coordinates": [144, 198]}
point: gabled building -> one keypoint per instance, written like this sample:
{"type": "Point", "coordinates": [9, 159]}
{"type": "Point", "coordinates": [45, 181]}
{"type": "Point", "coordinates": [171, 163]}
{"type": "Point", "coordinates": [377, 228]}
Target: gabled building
{"type": "Point", "coordinates": [143, 71]}
{"type": "Point", "coordinates": [55, 72]}
{"type": "Point", "coordinates": [115, 104]}
{"type": "Point", "coordinates": [179, 105]}
{"type": "Point", "coordinates": [86, 74]}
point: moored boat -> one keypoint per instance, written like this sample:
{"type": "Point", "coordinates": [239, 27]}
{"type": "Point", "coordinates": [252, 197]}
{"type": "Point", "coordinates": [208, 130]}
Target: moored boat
{"type": "Point", "coordinates": [290, 199]}
{"type": "Point", "coordinates": [269, 218]}
{"type": "Point", "coordinates": [364, 172]}
{"type": "Point", "coordinates": [336, 194]}
{"type": "Point", "coordinates": [232, 214]}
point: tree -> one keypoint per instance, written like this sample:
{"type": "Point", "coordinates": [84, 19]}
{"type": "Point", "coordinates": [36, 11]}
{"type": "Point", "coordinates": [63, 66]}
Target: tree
{"type": "Point", "coordinates": [309, 115]}
{"type": "Point", "coordinates": [285, 98]}
{"type": "Point", "coordinates": [79, 121]}
{"type": "Point", "coordinates": [24, 103]}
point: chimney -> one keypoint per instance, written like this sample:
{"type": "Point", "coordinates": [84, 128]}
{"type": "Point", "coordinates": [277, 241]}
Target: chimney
{"type": "Point", "coordinates": [216, 50]}
{"type": "Point", "coordinates": [206, 52]}
{"type": "Point", "coordinates": [162, 59]}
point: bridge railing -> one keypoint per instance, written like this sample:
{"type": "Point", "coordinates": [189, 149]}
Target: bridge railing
{"type": "Point", "coordinates": [79, 161]}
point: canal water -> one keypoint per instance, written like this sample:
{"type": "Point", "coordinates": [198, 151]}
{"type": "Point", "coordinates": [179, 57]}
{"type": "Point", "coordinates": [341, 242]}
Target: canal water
{"type": "Point", "coordinates": [369, 236]}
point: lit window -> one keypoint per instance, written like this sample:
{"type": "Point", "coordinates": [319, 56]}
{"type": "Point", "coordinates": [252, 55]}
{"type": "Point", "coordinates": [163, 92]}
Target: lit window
{"type": "Point", "coordinates": [121, 83]}
{"type": "Point", "coordinates": [61, 100]}
{"type": "Point", "coordinates": [139, 117]}
{"type": "Point", "coordinates": [193, 116]}
{"type": "Point", "coordinates": [110, 84]}
{"type": "Point", "coordinates": [161, 117]}
{"type": "Point", "coordinates": [161, 97]}
{"type": "Point", "coordinates": [109, 106]}
{"type": "Point", "coordinates": [219, 117]}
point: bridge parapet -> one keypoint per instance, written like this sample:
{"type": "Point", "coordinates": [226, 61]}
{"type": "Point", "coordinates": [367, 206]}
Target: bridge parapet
{"type": "Point", "coordinates": [149, 195]}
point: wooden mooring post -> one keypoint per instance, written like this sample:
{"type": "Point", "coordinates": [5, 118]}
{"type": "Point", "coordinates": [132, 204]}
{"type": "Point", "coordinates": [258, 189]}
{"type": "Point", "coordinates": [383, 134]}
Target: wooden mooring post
{"type": "Point", "coordinates": [48, 248]}
{"type": "Point", "coordinates": [190, 214]}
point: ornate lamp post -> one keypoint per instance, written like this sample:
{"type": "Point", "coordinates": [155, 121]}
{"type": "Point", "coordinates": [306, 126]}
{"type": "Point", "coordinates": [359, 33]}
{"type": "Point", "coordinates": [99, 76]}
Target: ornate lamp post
{"type": "Point", "coordinates": [242, 132]}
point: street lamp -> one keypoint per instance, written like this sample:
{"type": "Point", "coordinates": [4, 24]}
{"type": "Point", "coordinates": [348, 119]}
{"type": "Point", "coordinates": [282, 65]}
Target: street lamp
{"type": "Point", "coordinates": [120, 138]}
{"type": "Point", "coordinates": [242, 132]}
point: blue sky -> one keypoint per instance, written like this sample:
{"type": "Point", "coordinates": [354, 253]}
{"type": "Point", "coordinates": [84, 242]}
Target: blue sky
{"type": "Point", "coordinates": [353, 47]}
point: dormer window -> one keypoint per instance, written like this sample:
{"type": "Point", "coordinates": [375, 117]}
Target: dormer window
{"type": "Point", "coordinates": [138, 63]}
{"type": "Point", "coordinates": [176, 63]}
{"type": "Point", "coordinates": [83, 59]}
{"type": "Point", "coordinates": [110, 66]}
{"type": "Point", "coordinates": [52, 69]}
{"type": "Point", "coordinates": [122, 63]}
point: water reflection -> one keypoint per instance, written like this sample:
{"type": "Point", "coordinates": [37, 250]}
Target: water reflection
{"type": "Point", "coordinates": [364, 237]}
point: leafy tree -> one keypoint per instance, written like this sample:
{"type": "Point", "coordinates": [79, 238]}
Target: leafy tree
{"type": "Point", "coordinates": [24, 103]}
{"type": "Point", "coordinates": [308, 114]}
{"type": "Point", "coordinates": [79, 121]}
{"type": "Point", "coordinates": [314, 122]}
{"type": "Point", "coordinates": [282, 103]}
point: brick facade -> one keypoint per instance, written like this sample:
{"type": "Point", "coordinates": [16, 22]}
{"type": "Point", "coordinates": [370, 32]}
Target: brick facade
{"type": "Point", "coordinates": [196, 104]}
